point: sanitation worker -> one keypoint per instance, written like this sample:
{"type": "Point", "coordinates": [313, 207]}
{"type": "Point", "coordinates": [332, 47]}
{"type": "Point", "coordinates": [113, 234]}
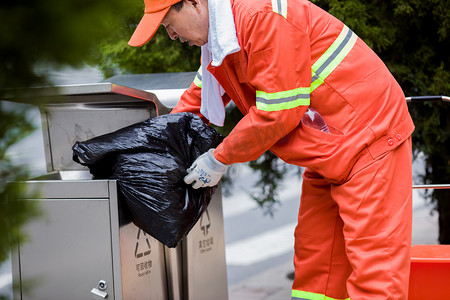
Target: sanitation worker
{"type": "Point", "coordinates": [275, 59]}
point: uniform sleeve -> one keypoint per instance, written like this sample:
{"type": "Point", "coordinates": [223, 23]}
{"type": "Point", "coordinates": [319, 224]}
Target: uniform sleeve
{"type": "Point", "coordinates": [279, 68]}
{"type": "Point", "coordinates": [190, 100]}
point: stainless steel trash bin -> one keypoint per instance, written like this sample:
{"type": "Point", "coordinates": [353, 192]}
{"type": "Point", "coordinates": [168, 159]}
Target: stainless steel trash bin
{"type": "Point", "coordinates": [81, 248]}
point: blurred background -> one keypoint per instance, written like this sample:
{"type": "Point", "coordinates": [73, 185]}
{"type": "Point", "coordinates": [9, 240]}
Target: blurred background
{"type": "Point", "coordinates": [49, 42]}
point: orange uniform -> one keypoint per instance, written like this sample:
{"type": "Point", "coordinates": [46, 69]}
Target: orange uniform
{"type": "Point", "coordinates": [354, 233]}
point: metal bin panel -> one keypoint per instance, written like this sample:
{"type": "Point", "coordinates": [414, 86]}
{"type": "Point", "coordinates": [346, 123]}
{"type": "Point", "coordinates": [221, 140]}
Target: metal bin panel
{"type": "Point", "coordinates": [79, 241]}
{"type": "Point", "coordinates": [204, 255]}
{"type": "Point", "coordinates": [143, 265]}
{"type": "Point", "coordinates": [63, 126]}
{"type": "Point", "coordinates": [69, 250]}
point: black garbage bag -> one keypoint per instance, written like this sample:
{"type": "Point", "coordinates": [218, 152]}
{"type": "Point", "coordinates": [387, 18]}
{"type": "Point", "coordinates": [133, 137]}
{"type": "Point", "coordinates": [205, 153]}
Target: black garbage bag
{"type": "Point", "coordinates": [149, 161]}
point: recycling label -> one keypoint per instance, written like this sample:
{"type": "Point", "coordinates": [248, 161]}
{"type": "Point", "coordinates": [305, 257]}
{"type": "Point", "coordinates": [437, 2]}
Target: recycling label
{"type": "Point", "coordinates": [206, 243]}
{"type": "Point", "coordinates": [142, 254]}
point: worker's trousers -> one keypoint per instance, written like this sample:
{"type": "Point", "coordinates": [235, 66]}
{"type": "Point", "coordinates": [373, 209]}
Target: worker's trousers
{"type": "Point", "coordinates": [353, 240]}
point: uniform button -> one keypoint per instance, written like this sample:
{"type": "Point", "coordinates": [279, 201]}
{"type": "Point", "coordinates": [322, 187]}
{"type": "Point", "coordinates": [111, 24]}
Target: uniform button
{"type": "Point", "coordinates": [390, 142]}
{"type": "Point", "coordinates": [398, 137]}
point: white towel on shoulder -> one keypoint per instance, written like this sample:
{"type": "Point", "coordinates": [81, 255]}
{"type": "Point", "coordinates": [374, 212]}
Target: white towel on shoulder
{"type": "Point", "coordinates": [222, 41]}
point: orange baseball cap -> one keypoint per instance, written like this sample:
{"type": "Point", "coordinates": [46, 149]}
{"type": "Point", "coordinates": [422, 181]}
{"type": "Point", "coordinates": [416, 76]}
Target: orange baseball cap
{"type": "Point", "coordinates": [155, 10]}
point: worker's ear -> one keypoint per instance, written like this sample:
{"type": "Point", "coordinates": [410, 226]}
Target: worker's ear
{"type": "Point", "coordinates": [195, 3]}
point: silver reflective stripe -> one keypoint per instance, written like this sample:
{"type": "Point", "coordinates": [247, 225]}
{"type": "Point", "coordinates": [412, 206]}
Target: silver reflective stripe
{"type": "Point", "coordinates": [282, 100]}
{"type": "Point", "coordinates": [332, 57]}
{"type": "Point", "coordinates": [280, 7]}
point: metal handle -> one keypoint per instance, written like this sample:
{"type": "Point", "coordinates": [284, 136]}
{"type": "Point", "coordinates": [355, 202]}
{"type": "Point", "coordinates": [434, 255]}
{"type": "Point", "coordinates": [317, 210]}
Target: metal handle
{"type": "Point", "coordinates": [99, 293]}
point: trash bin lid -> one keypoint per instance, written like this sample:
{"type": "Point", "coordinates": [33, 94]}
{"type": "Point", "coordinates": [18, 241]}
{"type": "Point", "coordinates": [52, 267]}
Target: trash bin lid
{"type": "Point", "coordinates": [79, 112]}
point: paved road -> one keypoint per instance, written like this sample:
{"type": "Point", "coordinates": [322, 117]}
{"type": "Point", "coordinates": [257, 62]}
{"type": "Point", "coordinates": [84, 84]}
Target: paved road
{"type": "Point", "coordinates": [255, 240]}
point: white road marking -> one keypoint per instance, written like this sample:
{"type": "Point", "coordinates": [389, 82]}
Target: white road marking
{"type": "Point", "coordinates": [261, 247]}
{"type": "Point", "coordinates": [240, 200]}
{"type": "Point", "coordinates": [5, 280]}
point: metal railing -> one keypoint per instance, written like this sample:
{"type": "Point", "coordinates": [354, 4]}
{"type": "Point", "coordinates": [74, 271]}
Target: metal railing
{"type": "Point", "coordinates": [427, 98]}
{"type": "Point", "coordinates": [431, 186]}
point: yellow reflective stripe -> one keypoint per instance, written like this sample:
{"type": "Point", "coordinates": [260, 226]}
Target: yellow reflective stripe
{"type": "Point", "coordinates": [281, 106]}
{"type": "Point", "coordinates": [316, 83]}
{"type": "Point", "coordinates": [284, 94]}
{"type": "Point", "coordinates": [280, 7]}
{"type": "Point", "coordinates": [332, 57]}
{"type": "Point", "coordinates": [198, 78]}
{"type": "Point", "coordinates": [332, 48]}
{"type": "Point", "coordinates": [282, 100]}
{"type": "Point", "coordinates": [302, 295]}
{"type": "Point", "coordinates": [320, 70]}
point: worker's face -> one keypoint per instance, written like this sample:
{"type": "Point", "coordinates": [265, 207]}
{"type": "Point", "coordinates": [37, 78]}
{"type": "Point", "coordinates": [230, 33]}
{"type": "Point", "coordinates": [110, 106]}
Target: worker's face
{"type": "Point", "coordinates": [190, 24]}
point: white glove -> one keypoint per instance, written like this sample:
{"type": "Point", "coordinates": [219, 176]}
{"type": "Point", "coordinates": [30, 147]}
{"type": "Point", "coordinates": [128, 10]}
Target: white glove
{"type": "Point", "coordinates": [205, 171]}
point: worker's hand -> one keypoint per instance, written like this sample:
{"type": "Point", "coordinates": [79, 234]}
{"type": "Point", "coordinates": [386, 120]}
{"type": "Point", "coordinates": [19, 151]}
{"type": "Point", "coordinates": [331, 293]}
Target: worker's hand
{"type": "Point", "coordinates": [205, 171]}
